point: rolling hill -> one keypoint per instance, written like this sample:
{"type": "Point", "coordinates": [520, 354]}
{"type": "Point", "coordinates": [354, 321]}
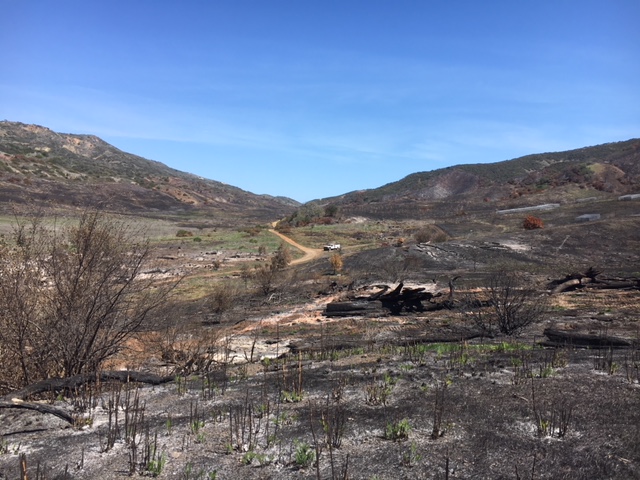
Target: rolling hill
{"type": "Point", "coordinates": [608, 169]}
{"type": "Point", "coordinates": [59, 171]}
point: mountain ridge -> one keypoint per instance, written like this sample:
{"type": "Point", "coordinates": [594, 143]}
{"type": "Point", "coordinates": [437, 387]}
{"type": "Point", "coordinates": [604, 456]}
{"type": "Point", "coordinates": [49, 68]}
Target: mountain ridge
{"type": "Point", "coordinates": [71, 170]}
{"type": "Point", "coordinates": [44, 167]}
{"type": "Point", "coordinates": [610, 168]}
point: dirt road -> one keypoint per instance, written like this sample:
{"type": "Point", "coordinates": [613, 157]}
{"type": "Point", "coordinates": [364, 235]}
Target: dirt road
{"type": "Point", "coordinates": [309, 253]}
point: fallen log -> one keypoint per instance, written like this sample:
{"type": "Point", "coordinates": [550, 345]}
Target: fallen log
{"type": "Point", "coordinates": [399, 299]}
{"type": "Point", "coordinates": [589, 279]}
{"type": "Point", "coordinates": [570, 284]}
{"type": "Point", "coordinates": [347, 309]}
{"type": "Point", "coordinates": [351, 306]}
{"type": "Point", "coordinates": [394, 293]}
{"type": "Point", "coordinates": [326, 346]}
{"type": "Point", "coordinates": [39, 407]}
{"type": "Point", "coordinates": [55, 385]}
{"type": "Point", "coordinates": [596, 285]}
{"type": "Point", "coordinates": [375, 296]}
{"type": "Point", "coordinates": [616, 285]}
{"type": "Point", "coordinates": [585, 340]}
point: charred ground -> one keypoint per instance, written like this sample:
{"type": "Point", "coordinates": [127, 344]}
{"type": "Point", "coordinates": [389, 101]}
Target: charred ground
{"type": "Point", "coordinates": [408, 395]}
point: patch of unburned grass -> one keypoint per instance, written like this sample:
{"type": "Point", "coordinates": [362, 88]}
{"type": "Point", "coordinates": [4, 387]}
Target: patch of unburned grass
{"type": "Point", "coordinates": [194, 288]}
{"type": "Point", "coordinates": [237, 240]}
{"type": "Point", "coordinates": [346, 234]}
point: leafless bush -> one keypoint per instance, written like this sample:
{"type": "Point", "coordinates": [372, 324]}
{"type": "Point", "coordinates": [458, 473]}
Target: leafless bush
{"type": "Point", "coordinates": [134, 422]}
{"type": "Point", "coordinates": [522, 367]}
{"type": "Point", "coordinates": [267, 276]}
{"type": "Point", "coordinates": [186, 351]}
{"type": "Point", "coordinates": [513, 304]}
{"type": "Point", "coordinates": [604, 360]}
{"type": "Point", "coordinates": [439, 408]}
{"type": "Point", "coordinates": [552, 418]}
{"type": "Point", "coordinates": [430, 233]}
{"type": "Point", "coordinates": [245, 424]}
{"type": "Point", "coordinates": [72, 294]}
{"type": "Point", "coordinates": [336, 263]}
{"type": "Point", "coordinates": [334, 420]}
{"type": "Point", "coordinates": [264, 277]}
{"type": "Point", "coordinates": [632, 365]}
{"type": "Point", "coordinates": [222, 298]}
{"type": "Point", "coordinates": [291, 386]}
{"type": "Point", "coordinates": [378, 392]}
{"type": "Point", "coordinates": [112, 406]}
{"type": "Point", "coordinates": [281, 257]}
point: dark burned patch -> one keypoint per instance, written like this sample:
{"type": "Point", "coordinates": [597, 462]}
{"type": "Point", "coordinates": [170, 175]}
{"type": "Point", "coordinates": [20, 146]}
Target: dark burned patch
{"type": "Point", "coordinates": [476, 408]}
{"type": "Point", "coordinates": [472, 409]}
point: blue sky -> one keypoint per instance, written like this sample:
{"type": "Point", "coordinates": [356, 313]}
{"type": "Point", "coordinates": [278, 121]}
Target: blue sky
{"type": "Point", "coordinates": [311, 99]}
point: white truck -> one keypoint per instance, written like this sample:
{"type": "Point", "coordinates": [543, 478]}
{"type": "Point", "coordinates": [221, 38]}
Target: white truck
{"type": "Point", "coordinates": [332, 247]}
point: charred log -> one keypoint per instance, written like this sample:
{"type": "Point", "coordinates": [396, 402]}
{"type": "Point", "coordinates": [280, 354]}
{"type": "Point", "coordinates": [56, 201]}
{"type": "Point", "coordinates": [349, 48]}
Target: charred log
{"type": "Point", "coordinates": [617, 285]}
{"type": "Point", "coordinates": [584, 340]}
{"type": "Point", "coordinates": [346, 309]}
{"type": "Point", "coordinates": [56, 385]}
{"type": "Point", "coordinates": [38, 407]}
{"type": "Point", "coordinates": [590, 279]}
{"type": "Point", "coordinates": [377, 295]}
{"type": "Point", "coordinates": [570, 285]}
{"type": "Point", "coordinates": [398, 300]}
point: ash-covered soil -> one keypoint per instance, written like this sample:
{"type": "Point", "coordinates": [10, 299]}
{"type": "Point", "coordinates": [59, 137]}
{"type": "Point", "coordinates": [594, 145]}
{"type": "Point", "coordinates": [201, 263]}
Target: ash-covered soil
{"type": "Point", "coordinates": [385, 408]}
{"type": "Point", "coordinates": [485, 408]}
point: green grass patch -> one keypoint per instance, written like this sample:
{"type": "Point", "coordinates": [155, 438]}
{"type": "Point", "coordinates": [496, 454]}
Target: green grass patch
{"type": "Point", "coordinates": [235, 240]}
{"type": "Point", "coordinates": [346, 234]}
{"type": "Point", "coordinates": [441, 349]}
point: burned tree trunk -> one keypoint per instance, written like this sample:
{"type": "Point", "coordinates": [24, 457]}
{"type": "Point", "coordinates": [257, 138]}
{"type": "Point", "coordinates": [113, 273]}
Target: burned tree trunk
{"type": "Point", "coordinates": [56, 385]}
{"type": "Point", "coordinates": [590, 279]}
{"type": "Point", "coordinates": [398, 300]}
{"type": "Point", "coordinates": [585, 340]}
{"type": "Point", "coordinates": [346, 309]}
{"type": "Point", "coordinates": [570, 285]}
{"type": "Point", "coordinates": [39, 407]}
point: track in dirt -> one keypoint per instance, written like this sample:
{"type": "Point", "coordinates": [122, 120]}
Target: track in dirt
{"type": "Point", "coordinates": [310, 254]}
